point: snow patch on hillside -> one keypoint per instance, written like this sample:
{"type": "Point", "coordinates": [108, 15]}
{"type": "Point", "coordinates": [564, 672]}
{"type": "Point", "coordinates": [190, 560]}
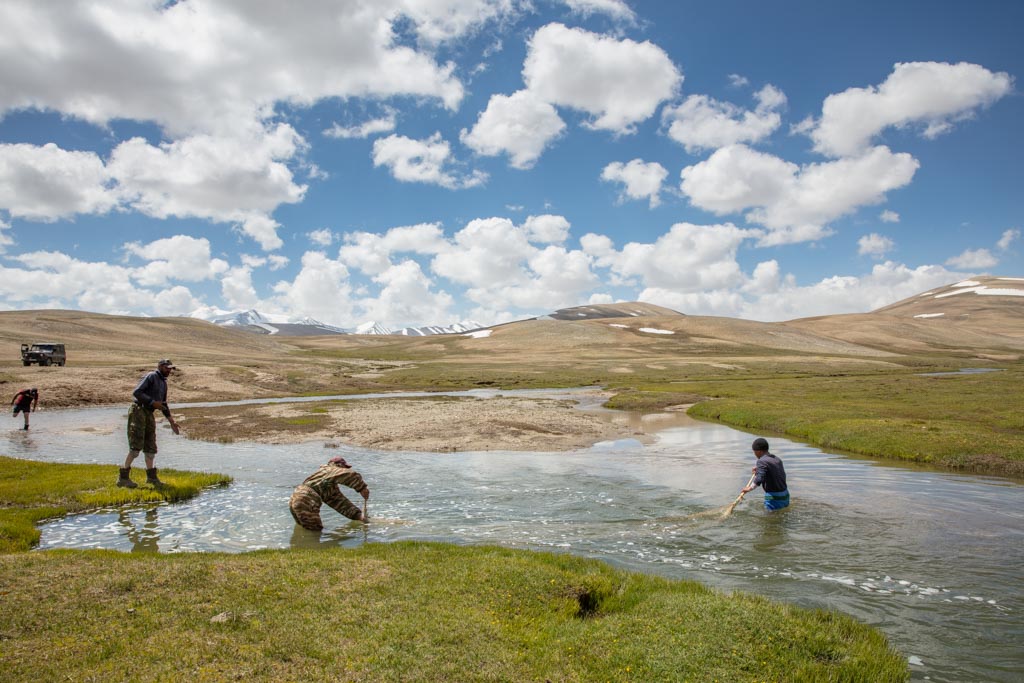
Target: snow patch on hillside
{"type": "Point", "coordinates": [969, 286]}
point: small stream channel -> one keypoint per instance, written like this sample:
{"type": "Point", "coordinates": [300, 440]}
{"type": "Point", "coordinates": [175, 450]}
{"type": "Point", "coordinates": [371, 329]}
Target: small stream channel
{"type": "Point", "coordinates": [933, 559]}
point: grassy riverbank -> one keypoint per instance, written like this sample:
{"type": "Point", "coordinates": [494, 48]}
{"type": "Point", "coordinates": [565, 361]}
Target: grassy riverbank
{"type": "Point", "coordinates": [33, 491]}
{"type": "Point", "coordinates": [385, 612]}
{"type": "Point", "coordinates": [409, 612]}
{"type": "Point", "coordinates": [969, 422]}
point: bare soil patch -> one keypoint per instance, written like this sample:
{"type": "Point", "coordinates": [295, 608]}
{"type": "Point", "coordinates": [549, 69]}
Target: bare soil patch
{"type": "Point", "coordinates": [420, 424]}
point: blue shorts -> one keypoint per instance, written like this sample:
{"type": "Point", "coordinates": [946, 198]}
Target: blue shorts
{"type": "Point", "coordinates": [776, 500]}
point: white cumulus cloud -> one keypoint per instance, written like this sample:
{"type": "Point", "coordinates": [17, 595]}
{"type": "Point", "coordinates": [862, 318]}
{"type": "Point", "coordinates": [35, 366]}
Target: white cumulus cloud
{"type": "Point", "coordinates": [702, 122]}
{"type": "Point", "coordinates": [687, 258]}
{"type": "Point", "coordinates": [55, 280]}
{"type": "Point", "coordinates": [888, 216]}
{"type": "Point", "coordinates": [237, 289]}
{"type": "Point", "coordinates": [320, 290]}
{"type": "Point", "coordinates": [176, 258]}
{"type": "Point", "coordinates": [371, 253]}
{"type": "Point", "coordinates": [486, 252]}
{"type": "Point", "coordinates": [616, 9]}
{"type": "Point", "coordinates": [934, 95]}
{"type": "Point", "coordinates": [384, 124]}
{"type": "Point", "coordinates": [322, 237]}
{"type": "Point", "coordinates": [204, 66]}
{"type": "Point", "coordinates": [874, 245]}
{"type": "Point", "coordinates": [520, 125]}
{"type": "Point", "coordinates": [1008, 237]}
{"type": "Point", "coordinates": [406, 296]}
{"type": "Point", "coordinates": [973, 260]}
{"type": "Point", "coordinates": [618, 82]}
{"type": "Point", "coordinates": [642, 180]}
{"type": "Point", "coordinates": [547, 228]}
{"type": "Point", "coordinates": [887, 283]}
{"type": "Point", "coordinates": [738, 81]}
{"type": "Point", "coordinates": [230, 179]}
{"type": "Point", "coordinates": [422, 161]}
{"type": "Point", "coordinates": [795, 203]}
{"type": "Point", "coordinates": [44, 183]}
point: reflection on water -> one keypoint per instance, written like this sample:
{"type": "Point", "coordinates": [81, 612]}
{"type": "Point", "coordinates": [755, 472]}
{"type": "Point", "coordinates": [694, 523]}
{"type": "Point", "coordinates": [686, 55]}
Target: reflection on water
{"type": "Point", "coordinates": [961, 371]}
{"type": "Point", "coordinates": [932, 559]}
{"type": "Point", "coordinates": [144, 534]}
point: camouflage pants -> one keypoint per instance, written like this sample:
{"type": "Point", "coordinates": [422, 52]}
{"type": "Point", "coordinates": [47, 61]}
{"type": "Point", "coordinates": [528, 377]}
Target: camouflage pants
{"type": "Point", "coordinates": [141, 429]}
{"type": "Point", "coordinates": [305, 506]}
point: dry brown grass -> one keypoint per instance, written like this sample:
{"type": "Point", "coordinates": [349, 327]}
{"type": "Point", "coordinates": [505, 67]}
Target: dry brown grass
{"type": "Point", "coordinates": [108, 354]}
{"type": "Point", "coordinates": [971, 325]}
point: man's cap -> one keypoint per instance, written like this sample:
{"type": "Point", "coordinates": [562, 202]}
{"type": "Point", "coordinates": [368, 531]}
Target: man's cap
{"type": "Point", "coordinates": [167, 362]}
{"type": "Point", "coordinates": [759, 444]}
{"type": "Point", "coordinates": [339, 461]}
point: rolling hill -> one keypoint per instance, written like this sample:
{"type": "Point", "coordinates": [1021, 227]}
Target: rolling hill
{"type": "Point", "coordinates": [983, 317]}
{"type": "Point", "coordinates": [115, 339]}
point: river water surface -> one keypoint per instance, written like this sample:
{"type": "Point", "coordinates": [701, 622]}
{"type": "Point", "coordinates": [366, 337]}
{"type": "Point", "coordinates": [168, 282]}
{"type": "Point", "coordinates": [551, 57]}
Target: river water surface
{"type": "Point", "coordinates": [935, 560]}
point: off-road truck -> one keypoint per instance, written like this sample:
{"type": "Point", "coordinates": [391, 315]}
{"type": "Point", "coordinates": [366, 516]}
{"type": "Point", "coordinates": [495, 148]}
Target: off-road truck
{"type": "Point", "coordinates": [43, 353]}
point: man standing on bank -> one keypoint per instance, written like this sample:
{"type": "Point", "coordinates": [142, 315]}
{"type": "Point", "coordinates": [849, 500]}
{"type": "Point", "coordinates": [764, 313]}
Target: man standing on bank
{"type": "Point", "coordinates": [770, 475]}
{"type": "Point", "coordinates": [322, 487]}
{"type": "Point", "coordinates": [150, 396]}
{"type": "Point", "coordinates": [25, 401]}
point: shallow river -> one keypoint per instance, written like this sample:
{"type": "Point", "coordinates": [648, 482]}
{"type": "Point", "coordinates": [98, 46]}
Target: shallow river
{"type": "Point", "coordinates": [935, 560]}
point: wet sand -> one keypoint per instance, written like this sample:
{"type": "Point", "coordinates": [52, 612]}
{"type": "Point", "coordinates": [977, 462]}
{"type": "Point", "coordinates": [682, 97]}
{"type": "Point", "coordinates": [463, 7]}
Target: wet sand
{"type": "Point", "coordinates": [434, 424]}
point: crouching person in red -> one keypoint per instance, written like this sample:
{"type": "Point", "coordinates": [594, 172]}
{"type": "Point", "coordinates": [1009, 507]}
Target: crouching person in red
{"type": "Point", "coordinates": [323, 487]}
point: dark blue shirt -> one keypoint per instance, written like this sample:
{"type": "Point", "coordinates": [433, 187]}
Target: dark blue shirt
{"type": "Point", "coordinates": [770, 474]}
{"type": "Point", "coordinates": [153, 387]}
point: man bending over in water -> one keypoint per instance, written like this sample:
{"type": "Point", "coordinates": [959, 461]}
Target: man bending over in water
{"type": "Point", "coordinates": [322, 487]}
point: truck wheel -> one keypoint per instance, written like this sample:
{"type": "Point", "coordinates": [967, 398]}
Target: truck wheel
{"type": "Point", "coordinates": [26, 363]}
{"type": "Point", "coordinates": [44, 362]}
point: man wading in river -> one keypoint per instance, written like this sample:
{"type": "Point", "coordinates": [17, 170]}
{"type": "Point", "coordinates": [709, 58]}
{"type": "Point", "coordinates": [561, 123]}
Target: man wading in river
{"type": "Point", "coordinates": [25, 401]}
{"type": "Point", "coordinates": [150, 396]}
{"type": "Point", "coordinates": [770, 475]}
{"type": "Point", "coordinates": [322, 487]}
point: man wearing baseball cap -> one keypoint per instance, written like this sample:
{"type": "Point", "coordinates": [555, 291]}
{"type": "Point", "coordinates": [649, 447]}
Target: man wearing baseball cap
{"type": "Point", "coordinates": [770, 475]}
{"type": "Point", "coordinates": [150, 395]}
{"type": "Point", "coordinates": [323, 487]}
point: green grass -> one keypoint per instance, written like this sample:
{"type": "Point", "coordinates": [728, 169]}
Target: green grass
{"type": "Point", "coordinates": [970, 422]}
{"type": "Point", "coordinates": [33, 491]}
{"type": "Point", "coordinates": [406, 612]}
{"type": "Point", "coordinates": [384, 612]}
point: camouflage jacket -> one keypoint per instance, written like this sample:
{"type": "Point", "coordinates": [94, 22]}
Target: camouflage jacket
{"type": "Point", "coordinates": [326, 479]}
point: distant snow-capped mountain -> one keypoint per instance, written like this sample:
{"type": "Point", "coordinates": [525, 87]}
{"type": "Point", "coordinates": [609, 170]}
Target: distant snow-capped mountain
{"type": "Point", "coordinates": [372, 327]}
{"type": "Point", "coordinates": [254, 321]}
{"type": "Point", "coordinates": [250, 317]}
{"type": "Point", "coordinates": [426, 330]}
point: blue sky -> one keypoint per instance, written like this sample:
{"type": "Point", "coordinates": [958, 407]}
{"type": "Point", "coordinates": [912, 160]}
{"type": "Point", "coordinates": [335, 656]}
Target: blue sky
{"type": "Point", "coordinates": [429, 161]}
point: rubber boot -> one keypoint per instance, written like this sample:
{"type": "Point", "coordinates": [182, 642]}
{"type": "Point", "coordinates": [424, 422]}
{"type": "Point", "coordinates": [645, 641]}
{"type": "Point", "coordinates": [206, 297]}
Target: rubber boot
{"type": "Point", "coordinates": [151, 477]}
{"type": "Point", "coordinates": [125, 478]}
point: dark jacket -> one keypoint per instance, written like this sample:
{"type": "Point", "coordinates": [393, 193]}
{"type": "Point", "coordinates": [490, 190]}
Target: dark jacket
{"type": "Point", "coordinates": [770, 474]}
{"type": "Point", "coordinates": [153, 387]}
